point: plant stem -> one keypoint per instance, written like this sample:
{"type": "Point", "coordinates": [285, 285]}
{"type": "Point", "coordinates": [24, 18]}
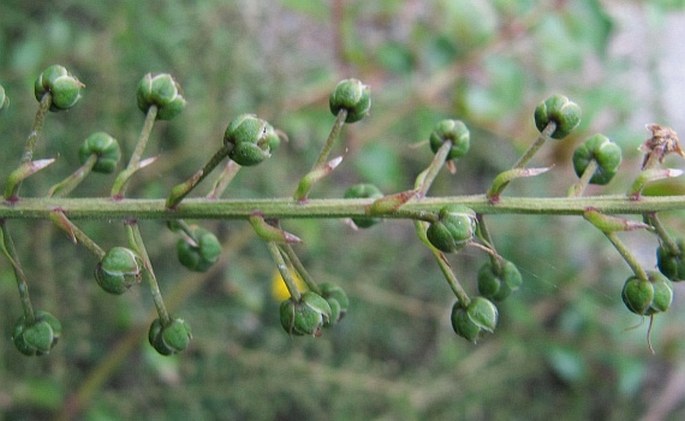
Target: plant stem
{"type": "Point", "coordinates": [332, 137]}
{"type": "Point", "coordinates": [65, 186]}
{"type": "Point", "coordinates": [180, 191]}
{"type": "Point", "coordinates": [433, 169]}
{"type": "Point", "coordinates": [627, 256]}
{"type": "Point", "coordinates": [120, 183]}
{"type": "Point", "coordinates": [22, 284]}
{"type": "Point", "coordinates": [665, 238]}
{"type": "Point", "coordinates": [37, 128]}
{"type": "Point", "coordinates": [579, 187]}
{"type": "Point", "coordinates": [535, 147]}
{"type": "Point", "coordinates": [136, 241]}
{"type": "Point", "coordinates": [75, 233]}
{"type": "Point", "coordinates": [299, 267]}
{"type": "Point", "coordinates": [286, 208]}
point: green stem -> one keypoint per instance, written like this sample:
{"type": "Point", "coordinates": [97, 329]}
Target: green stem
{"type": "Point", "coordinates": [433, 169]}
{"type": "Point", "coordinates": [22, 284]}
{"type": "Point", "coordinates": [451, 278]}
{"type": "Point", "coordinates": [229, 172]}
{"type": "Point", "coordinates": [578, 188]}
{"type": "Point", "coordinates": [299, 267]}
{"type": "Point", "coordinates": [666, 239]}
{"type": "Point", "coordinates": [535, 147]}
{"type": "Point", "coordinates": [74, 232]}
{"type": "Point", "coordinates": [283, 269]}
{"type": "Point", "coordinates": [627, 256]}
{"type": "Point", "coordinates": [332, 137]}
{"type": "Point", "coordinates": [136, 241]}
{"type": "Point", "coordinates": [120, 183]}
{"type": "Point", "coordinates": [181, 190]}
{"type": "Point", "coordinates": [286, 208]}
{"type": "Point", "coordinates": [37, 128]}
{"type": "Point", "coordinates": [65, 186]}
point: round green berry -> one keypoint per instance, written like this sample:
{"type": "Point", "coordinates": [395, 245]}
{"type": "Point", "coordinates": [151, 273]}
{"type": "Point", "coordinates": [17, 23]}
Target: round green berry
{"type": "Point", "coordinates": [498, 285]}
{"type": "Point", "coordinates": [105, 147]}
{"type": "Point", "coordinates": [162, 91]}
{"type": "Point", "coordinates": [453, 131]}
{"type": "Point", "coordinates": [170, 339]}
{"type": "Point", "coordinates": [354, 97]}
{"type": "Point", "coordinates": [118, 270]}
{"type": "Point", "coordinates": [38, 337]}
{"type": "Point", "coordinates": [559, 110]}
{"type": "Point", "coordinates": [64, 88]}
{"type": "Point", "coordinates": [363, 191]}
{"type": "Point", "coordinates": [306, 316]}
{"type": "Point", "coordinates": [251, 139]}
{"type": "Point", "coordinates": [336, 298]}
{"type": "Point", "coordinates": [479, 317]}
{"type": "Point", "coordinates": [604, 152]}
{"type": "Point", "coordinates": [671, 264]}
{"type": "Point", "coordinates": [647, 297]}
{"type": "Point", "coordinates": [454, 229]}
{"type": "Point", "coordinates": [200, 252]}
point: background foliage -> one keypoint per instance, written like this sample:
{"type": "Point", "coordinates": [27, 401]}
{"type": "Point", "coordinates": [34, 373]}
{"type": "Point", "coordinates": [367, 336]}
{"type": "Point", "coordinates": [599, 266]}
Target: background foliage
{"type": "Point", "coordinates": [565, 343]}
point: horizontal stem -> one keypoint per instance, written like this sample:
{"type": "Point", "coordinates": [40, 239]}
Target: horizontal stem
{"type": "Point", "coordinates": [287, 208]}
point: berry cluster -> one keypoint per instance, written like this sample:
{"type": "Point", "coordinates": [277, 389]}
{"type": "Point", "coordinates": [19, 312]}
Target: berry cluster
{"type": "Point", "coordinates": [311, 306]}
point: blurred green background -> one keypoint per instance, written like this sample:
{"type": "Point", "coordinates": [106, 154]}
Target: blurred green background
{"type": "Point", "coordinates": [566, 347]}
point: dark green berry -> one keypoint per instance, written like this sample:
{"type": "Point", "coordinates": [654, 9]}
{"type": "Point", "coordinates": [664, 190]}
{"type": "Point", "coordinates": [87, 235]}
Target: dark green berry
{"type": "Point", "coordinates": [162, 91]}
{"type": "Point", "coordinates": [453, 131]}
{"type": "Point", "coordinates": [38, 337]}
{"type": "Point", "coordinates": [498, 285]}
{"type": "Point", "coordinates": [671, 264]}
{"type": "Point", "coordinates": [336, 298]}
{"type": "Point", "coordinates": [363, 191]}
{"type": "Point", "coordinates": [200, 252]}
{"type": "Point", "coordinates": [647, 297]}
{"type": "Point", "coordinates": [306, 316]}
{"type": "Point", "coordinates": [600, 149]}
{"type": "Point", "coordinates": [118, 270]}
{"type": "Point", "coordinates": [479, 317]}
{"type": "Point", "coordinates": [354, 97]}
{"type": "Point", "coordinates": [170, 339]}
{"type": "Point", "coordinates": [105, 147]}
{"type": "Point", "coordinates": [560, 110]}
{"type": "Point", "coordinates": [64, 88]}
{"type": "Point", "coordinates": [454, 229]}
{"type": "Point", "coordinates": [251, 139]}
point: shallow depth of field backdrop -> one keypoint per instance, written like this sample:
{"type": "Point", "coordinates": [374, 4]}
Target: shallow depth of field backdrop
{"type": "Point", "coordinates": [564, 344]}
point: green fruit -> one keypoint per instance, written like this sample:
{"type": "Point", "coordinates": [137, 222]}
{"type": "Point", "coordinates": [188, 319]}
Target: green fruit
{"type": "Point", "coordinates": [64, 88]}
{"type": "Point", "coordinates": [307, 316]}
{"type": "Point", "coordinates": [453, 131]}
{"type": "Point", "coordinates": [336, 297]}
{"type": "Point", "coordinates": [600, 149]}
{"type": "Point", "coordinates": [38, 337]}
{"type": "Point", "coordinates": [170, 339]}
{"type": "Point", "coordinates": [637, 295]}
{"type": "Point", "coordinates": [671, 265]}
{"type": "Point", "coordinates": [118, 270]}
{"type": "Point", "coordinates": [201, 252]}
{"type": "Point", "coordinates": [496, 286]}
{"type": "Point", "coordinates": [251, 139]}
{"type": "Point", "coordinates": [354, 97]}
{"type": "Point", "coordinates": [105, 147]}
{"type": "Point", "coordinates": [479, 317]}
{"type": "Point", "coordinates": [560, 110]}
{"type": "Point", "coordinates": [454, 229]}
{"type": "Point", "coordinates": [162, 91]}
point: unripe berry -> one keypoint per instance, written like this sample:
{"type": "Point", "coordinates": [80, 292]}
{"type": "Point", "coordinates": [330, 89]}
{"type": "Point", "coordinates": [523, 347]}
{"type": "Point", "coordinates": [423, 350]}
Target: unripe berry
{"type": "Point", "coordinates": [479, 317]}
{"type": "Point", "coordinates": [498, 286]}
{"type": "Point", "coordinates": [336, 298]}
{"type": "Point", "coordinates": [671, 265]}
{"type": "Point", "coordinates": [170, 339]}
{"type": "Point", "coordinates": [363, 191]}
{"type": "Point", "coordinates": [64, 88]}
{"type": "Point", "coordinates": [307, 316]}
{"type": "Point", "coordinates": [454, 228]}
{"type": "Point", "coordinates": [354, 97]}
{"type": "Point", "coordinates": [606, 153]}
{"type": "Point", "coordinates": [105, 147]}
{"type": "Point", "coordinates": [118, 270]}
{"type": "Point", "coordinates": [162, 91]}
{"type": "Point", "coordinates": [560, 110]}
{"type": "Point", "coordinates": [200, 253]}
{"type": "Point", "coordinates": [39, 337]}
{"type": "Point", "coordinates": [252, 139]}
{"type": "Point", "coordinates": [453, 131]}
{"type": "Point", "coordinates": [647, 297]}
